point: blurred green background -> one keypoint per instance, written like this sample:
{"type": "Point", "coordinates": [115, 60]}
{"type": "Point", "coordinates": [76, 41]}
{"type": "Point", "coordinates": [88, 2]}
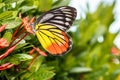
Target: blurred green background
{"type": "Point", "coordinates": [94, 56]}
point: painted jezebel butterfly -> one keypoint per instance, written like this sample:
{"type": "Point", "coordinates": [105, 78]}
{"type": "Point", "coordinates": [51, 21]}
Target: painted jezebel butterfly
{"type": "Point", "coordinates": [51, 27]}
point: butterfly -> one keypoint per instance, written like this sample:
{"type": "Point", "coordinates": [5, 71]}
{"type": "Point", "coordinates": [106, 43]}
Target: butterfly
{"type": "Point", "coordinates": [51, 27]}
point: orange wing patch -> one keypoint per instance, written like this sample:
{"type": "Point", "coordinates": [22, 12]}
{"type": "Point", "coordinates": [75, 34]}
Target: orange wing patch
{"type": "Point", "coordinates": [58, 48]}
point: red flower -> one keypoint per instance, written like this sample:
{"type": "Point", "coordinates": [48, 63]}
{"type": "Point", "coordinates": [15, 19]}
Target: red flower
{"type": "Point", "coordinates": [2, 27]}
{"type": "Point", "coordinates": [38, 50]}
{"type": "Point", "coordinates": [115, 51]}
{"type": "Point", "coordinates": [6, 66]}
{"type": "Point", "coordinates": [3, 43]}
{"type": "Point", "coordinates": [26, 24]}
{"type": "Point", "coordinates": [7, 52]}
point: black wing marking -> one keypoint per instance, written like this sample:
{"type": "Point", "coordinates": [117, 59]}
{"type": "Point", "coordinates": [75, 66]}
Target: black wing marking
{"type": "Point", "coordinates": [61, 17]}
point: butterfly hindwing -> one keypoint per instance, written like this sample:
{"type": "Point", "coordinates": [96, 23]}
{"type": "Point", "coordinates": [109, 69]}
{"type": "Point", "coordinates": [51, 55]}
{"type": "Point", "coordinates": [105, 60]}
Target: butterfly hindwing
{"type": "Point", "coordinates": [61, 17]}
{"type": "Point", "coordinates": [51, 28]}
{"type": "Point", "coordinates": [54, 40]}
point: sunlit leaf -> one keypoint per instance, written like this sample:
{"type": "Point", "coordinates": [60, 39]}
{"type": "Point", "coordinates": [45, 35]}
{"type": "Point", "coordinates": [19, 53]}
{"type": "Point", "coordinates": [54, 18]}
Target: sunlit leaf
{"type": "Point", "coordinates": [1, 5]}
{"type": "Point", "coordinates": [36, 64]}
{"type": "Point", "coordinates": [24, 9]}
{"type": "Point", "coordinates": [80, 70]}
{"type": "Point", "coordinates": [38, 71]}
{"type": "Point", "coordinates": [8, 36]}
{"type": "Point", "coordinates": [59, 3]}
{"type": "Point", "coordinates": [17, 58]}
{"type": "Point", "coordinates": [42, 4]}
{"type": "Point", "coordinates": [12, 23]}
{"type": "Point", "coordinates": [8, 15]}
{"type": "Point", "coordinates": [10, 1]}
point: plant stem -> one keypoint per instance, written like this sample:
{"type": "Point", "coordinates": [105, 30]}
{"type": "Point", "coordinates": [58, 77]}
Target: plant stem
{"type": "Point", "coordinates": [21, 38]}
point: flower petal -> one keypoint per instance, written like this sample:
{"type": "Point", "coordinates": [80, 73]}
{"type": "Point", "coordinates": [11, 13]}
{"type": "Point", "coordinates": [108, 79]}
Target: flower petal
{"type": "Point", "coordinates": [3, 43]}
{"type": "Point", "coordinates": [2, 27]}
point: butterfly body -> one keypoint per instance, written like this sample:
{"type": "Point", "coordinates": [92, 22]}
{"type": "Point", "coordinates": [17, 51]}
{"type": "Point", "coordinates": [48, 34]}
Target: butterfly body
{"type": "Point", "coordinates": [51, 27]}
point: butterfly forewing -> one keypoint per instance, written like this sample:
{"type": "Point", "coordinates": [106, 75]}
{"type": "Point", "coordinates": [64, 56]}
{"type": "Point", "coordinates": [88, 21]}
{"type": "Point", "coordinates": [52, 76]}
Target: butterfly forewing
{"type": "Point", "coordinates": [61, 17]}
{"type": "Point", "coordinates": [51, 29]}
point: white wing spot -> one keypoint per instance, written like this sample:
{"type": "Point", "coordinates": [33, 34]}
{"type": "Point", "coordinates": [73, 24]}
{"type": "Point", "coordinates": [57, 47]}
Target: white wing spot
{"type": "Point", "coordinates": [62, 7]}
{"type": "Point", "coordinates": [57, 21]}
{"type": "Point", "coordinates": [58, 17]}
{"type": "Point", "coordinates": [66, 23]}
{"type": "Point", "coordinates": [66, 10]}
{"type": "Point", "coordinates": [46, 17]}
{"type": "Point", "coordinates": [67, 19]}
{"type": "Point", "coordinates": [57, 25]}
{"type": "Point", "coordinates": [68, 15]}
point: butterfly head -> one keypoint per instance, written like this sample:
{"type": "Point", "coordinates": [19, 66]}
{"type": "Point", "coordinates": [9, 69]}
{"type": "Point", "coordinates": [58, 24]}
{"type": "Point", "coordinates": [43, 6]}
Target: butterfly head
{"type": "Point", "coordinates": [33, 27]}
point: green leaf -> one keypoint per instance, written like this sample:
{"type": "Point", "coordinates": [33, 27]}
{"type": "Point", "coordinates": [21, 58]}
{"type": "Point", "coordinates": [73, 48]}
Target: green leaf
{"type": "Point", "coordinates": [115, 73]}
{"type": "Point", "coordinates": [43, 73]}
{"type": "Point", "coordinates": [59, 3]}
{"type": "Point", "coordinates": [2, 5]}
{"type": "Point", "coordinates": [24, 9]}
{"type": "Point", "coordinates": [19, 46]}
{"type": "Point", "coordinates": [38, 71]}
{"type": "Point", "coordinates": [8, 36]}
{"type": "Point", "coordinates": [10, 1]}
{"type": "Point", "coordinates": [36, 64]}
{"type": "Point", "coordinates": [80, 70]}
{"type": "Point", "coordinates": [12, 23]}
{"type": "Point", "coordinates": [42, 4]}
{"type": "Point", "coordinates": [97, 73]}
{"type": "Point", "coordinates": [17, 58]}
{"type": "Point", "coordinates": [8, 15]}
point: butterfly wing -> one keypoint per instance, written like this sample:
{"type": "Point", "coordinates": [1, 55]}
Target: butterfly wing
{"type": "Point", "coordinates": [51, 29]}
{"type": "Point", "coordinates": [54, 40]}
{"type": "Point", "coordinates": [61, 17]}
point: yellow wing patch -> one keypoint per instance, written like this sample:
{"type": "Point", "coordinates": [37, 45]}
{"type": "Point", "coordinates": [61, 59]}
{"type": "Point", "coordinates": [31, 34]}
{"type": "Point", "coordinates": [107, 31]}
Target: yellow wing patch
{"type": "Point", "coordinates": [54, 40]}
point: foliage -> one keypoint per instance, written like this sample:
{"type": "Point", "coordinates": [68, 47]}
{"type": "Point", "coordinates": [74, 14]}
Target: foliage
{"type": "Point", "coordinates": [89, 59]}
